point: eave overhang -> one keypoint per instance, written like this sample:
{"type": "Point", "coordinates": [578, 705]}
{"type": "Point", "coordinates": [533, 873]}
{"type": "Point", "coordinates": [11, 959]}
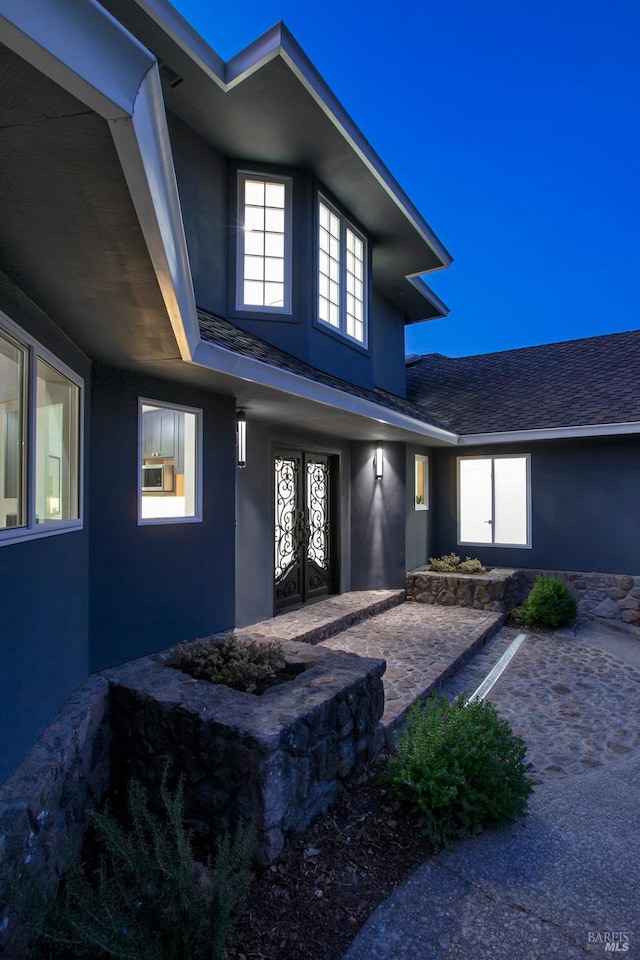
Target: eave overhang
{"type": "Point", "coordinates": [269, 104]}
{"type": "Point", "coordinates": [83, 49]}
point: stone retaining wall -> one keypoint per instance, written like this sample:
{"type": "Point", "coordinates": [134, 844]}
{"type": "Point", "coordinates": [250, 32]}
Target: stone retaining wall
{"type": "Point", "coordinates": [609, 595]}
{"type": "Point", "coordinates": [44, 804]}
{"type": "Point", "coordinates": [276, 759]}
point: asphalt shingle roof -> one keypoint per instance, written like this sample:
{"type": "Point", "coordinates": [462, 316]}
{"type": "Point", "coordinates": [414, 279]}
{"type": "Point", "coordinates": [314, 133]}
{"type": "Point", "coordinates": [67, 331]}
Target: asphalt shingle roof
{"type": "Point", "coordinates": [224, 334]}
{"type": "Point", "coordinates": [578, 382]}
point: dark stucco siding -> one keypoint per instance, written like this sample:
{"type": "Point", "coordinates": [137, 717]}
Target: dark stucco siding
{"type": "Point", "coordinates": [202, 175]}
{"type": "Point", "coordinates": [43, 592]}
{"type": "Point", "coordinates": [155, 585]}
{"type": "Point", "coordinates": [585, 506]}
{"type": "Point", "coordinates": [418, 522]}
{"type": "Point", "coordinates": [378, 518]}
{"type": "Point", "coordinates": [387, 345]}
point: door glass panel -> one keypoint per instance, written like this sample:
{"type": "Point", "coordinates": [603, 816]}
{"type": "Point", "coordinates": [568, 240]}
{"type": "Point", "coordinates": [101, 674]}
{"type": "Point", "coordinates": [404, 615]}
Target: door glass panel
{"type": "Point", "coordinates": [285, 506]}
{"type": "Point", "coordinates": [510, 479]}
{"type": "Point", "coordinates": [11, 430]}
{"type": "Point", "coordinates": [57, 445]}
{"type": "Point", "coordinates": [317, 502]}
{"type": "Point", "coordinates": [475, 501]}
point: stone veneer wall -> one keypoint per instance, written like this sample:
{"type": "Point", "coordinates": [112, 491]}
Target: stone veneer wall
{"type": "Point", "coordinates": [609, 595]}
{"type": "Point", "coordinates": [44, 803]}
{"type": "Point", "coordinates": [276, 759]}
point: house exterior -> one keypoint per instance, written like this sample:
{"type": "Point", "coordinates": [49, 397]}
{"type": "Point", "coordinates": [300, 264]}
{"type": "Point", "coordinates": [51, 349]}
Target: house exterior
{"type": "Point", "coordinates": [191, 249]}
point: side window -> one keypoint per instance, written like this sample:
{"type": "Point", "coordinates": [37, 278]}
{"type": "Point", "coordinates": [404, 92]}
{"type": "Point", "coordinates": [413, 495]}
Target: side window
{"type": "Point", "coordinates": [40, 457]}
{"type": "Point", "coordinates": [421, 487]}
{"type": "Point", "coordinates": [341, 274]}
{"type": "Point", "coordinates": [170, 446]}
{"type": "Point", "coordinates": [494, 501]}
{"type": "Point", "coordinates": [264, 243]}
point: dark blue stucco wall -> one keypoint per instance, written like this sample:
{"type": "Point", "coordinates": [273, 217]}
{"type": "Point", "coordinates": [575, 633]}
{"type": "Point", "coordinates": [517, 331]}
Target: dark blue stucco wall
{"type": "Point", "coordinates": [43, 592]}
{"type": "Point", "coordinates": [387, 346]}
{"type": "Point", "coordinates": [378, 510]}
{"type": "Point", "coordinates": [153, 586]}
{"type": "Point", "coordinates": [585, 497]}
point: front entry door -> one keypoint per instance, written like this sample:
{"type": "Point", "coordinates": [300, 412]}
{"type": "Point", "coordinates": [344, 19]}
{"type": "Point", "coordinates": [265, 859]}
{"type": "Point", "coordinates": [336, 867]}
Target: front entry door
{"type": "Point", "coordinates": [305, 502]}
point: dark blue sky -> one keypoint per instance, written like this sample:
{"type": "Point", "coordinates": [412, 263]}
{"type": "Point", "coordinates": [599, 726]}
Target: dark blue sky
{"type": "Point", "coordinates": [513, 126]}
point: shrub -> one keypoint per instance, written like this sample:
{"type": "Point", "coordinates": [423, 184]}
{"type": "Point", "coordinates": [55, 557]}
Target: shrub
{"type": "Point", "coordinates": [460, 766]}
{"type": "Point", "coordinates": [149, 898]}
{"type": "Point", "coordinates": [550, 603]}
{"type": "Point", "coordinates": [451, 563]}
{"type": "Point", "coordinates": [242, 664]}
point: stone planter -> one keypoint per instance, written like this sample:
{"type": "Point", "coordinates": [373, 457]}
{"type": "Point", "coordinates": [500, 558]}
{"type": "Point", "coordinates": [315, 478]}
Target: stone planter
{"type": "Point", "coordinates": [276, 759]}
{"type": "Point", "coordinates": [497, 590]}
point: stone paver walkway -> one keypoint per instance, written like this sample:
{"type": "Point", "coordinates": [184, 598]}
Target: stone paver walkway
{"type": "Point", "coordinates": [422, 645]}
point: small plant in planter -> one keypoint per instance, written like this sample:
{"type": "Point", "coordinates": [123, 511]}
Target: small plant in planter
{"type": "Point", "coordinates": [246, 665]}
{"type": "Point", "coordinates": [451, 563]}
{"type": "Point", "coordinates": [549, 604]}
{"type": "Point", "coordinates": [460, 767]}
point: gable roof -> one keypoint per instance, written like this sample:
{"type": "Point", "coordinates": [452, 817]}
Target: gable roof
{"type": "Point", "coordinates": [575, 383]}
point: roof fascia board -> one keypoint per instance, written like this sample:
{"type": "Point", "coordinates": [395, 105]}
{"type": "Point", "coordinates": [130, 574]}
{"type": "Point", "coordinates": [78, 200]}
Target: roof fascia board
{"type": "Point", "coordinates": [66, 41]}
{"type": "Point", "coordinates": [278, 41]}
{"type": "Point", "coordinates": [552, 433]}
{"type": "Point", "coordinates": [426, 291]}
{"type": "Point", "coordinates": [81, 47]}
{"type": "Point", "coordinates": [142, 143]}
{"type": "Point", "coordinates": [225, 361]}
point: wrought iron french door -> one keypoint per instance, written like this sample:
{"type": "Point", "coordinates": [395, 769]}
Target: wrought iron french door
{"type": "Point", "coordinates": [305, 501]}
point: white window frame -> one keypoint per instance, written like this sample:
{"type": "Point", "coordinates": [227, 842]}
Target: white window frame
{"type": "Point", "coordinates": [196, 517]}
{"type": "Point", "coordinates": [493, 543]}
{"type": "Point", "coordinates": [34, 352]}
{"type": "Point", "coordinates": [345, 224]}
{"type": "Point", "coordinates": [242, 177]}
{"type": "Point", "coordinates": [421, 458]}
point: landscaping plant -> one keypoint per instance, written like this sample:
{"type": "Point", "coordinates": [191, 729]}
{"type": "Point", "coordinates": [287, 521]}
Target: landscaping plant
{"type": "Point", "coordinates": [149, 899]}
{"type": "Point", "coordinates": [246, 665]}
{"type": "Point", "coordinates": [461, 767]}
{"type": "Point", "coordinates": [550, 603]}
{"type": "Point", "coordinates": [451, 563]}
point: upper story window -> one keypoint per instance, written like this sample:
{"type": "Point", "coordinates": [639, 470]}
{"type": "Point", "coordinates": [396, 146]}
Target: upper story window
{"type": "Point", "coordinates": [40, 413]}
{"type": "Point", "coordinates": [264, 243]}
{"type": "Point", "coordinates": [341, 274]}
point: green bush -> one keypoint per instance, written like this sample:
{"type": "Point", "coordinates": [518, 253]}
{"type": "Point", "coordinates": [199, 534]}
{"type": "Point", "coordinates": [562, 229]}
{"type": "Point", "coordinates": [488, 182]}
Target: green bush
{"type": "Point", "coordinates": [245, 665]}
{"type": "Point", "coordinates": [149, 899]}
{"type": "Point", "coordinates": [451, 563]}
{"type": "Point", "coordinates": [460, 766]}
{"type": "Point", "coordinates": [550, 603]}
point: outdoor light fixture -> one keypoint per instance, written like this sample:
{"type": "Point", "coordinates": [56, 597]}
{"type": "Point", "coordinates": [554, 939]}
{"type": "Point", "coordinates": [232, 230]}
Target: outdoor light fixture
{"type": "Point", "coordinates": [241, 430]}
{"type": "Point", "coordinates": [379, 460]}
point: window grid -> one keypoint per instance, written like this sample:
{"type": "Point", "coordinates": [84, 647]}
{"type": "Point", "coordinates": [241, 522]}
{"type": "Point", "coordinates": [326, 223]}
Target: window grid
{"type": "Point", "coordinates": [341, 274]}
{"type": "Point", "coordinates": [264, 243]}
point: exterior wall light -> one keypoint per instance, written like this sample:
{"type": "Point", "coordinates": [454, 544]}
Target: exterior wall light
{"type": "Point", "coordinates": [379, 461]}
{"type": "Point", "coordinates": [241, 433]}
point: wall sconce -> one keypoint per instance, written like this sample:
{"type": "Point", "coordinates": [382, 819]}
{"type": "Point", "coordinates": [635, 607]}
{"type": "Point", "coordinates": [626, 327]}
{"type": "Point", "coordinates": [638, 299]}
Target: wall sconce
{"type": "Point", "coordinates": [241, 432]}
{"type": "Point", "coordinates": [379, 461]}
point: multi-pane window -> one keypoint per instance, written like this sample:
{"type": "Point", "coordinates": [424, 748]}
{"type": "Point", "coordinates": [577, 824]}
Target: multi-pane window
{"type": "Point", "coordinates": [170, 463]}
{"type": "Point", "coordinates": [264, 243]}
{"type": "Point", "coordinates": [494, 501]}
{"type": "Point", "coordinates": [39, 439]}
{"type": "Point", "coordinates": [341, 274]}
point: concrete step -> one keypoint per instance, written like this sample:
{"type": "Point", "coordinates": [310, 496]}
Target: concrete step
{"type": "Point", "coordinates": [318, 621]}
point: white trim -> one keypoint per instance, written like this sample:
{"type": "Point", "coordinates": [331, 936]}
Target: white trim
{"type": "Point", "coordinates": [195, 517]}
{"type": "Point", "coordinates": [242, 176]}
{"type": "Point", "coordinates": [217, 358]}
{"type": "Point", "coordinates": [497, 456]}
{"type": "Point", "coordinates": [35, 351]}
{"type": "Point", "coordinates": [551, 433]}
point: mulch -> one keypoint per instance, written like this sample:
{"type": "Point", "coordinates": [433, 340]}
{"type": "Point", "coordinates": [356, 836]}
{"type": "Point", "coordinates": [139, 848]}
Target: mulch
{"type": "Point", "coordinates": [312, 902]}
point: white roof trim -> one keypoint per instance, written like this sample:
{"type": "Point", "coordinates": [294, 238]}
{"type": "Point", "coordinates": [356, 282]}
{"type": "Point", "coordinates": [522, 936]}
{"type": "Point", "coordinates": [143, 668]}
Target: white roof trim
{"type": "Point", "coordinates": [552, 433]}
{"type": "Point", "coordinates": [86, 51]}
{"type": "Point", "coordinates": [221, 360]}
